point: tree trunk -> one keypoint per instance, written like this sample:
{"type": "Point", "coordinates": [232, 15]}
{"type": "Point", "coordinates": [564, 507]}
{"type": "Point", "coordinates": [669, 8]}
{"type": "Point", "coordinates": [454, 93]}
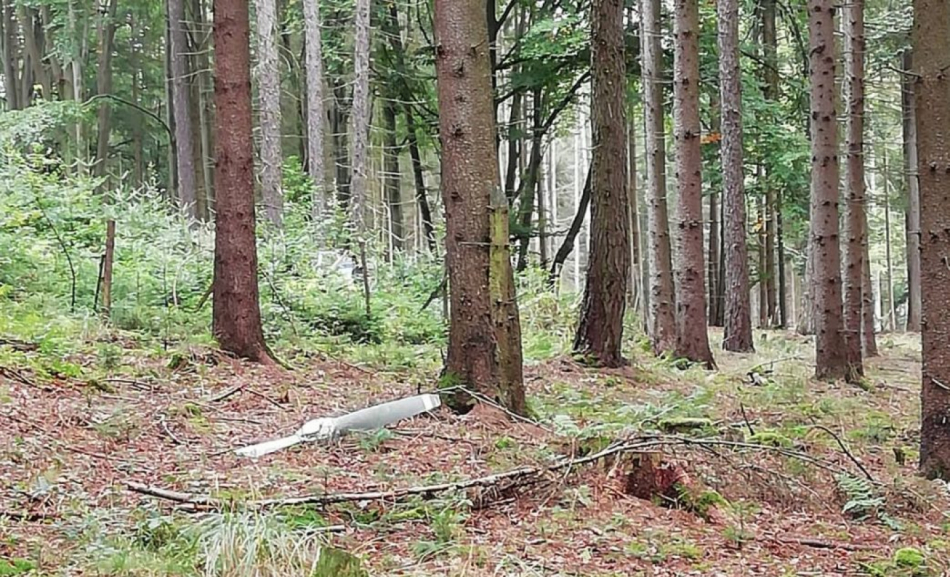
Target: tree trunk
{"type": "Point", "coordinates": [831, 362]}
{"type": "Point", "coordinates": [692, 339]}
{"type": "Point", "coordinates": [422, 197]}
{"type": "Point", "coordinates": [567, 245]}
{"type": "Point", "coordinates": [662, 303]}
{"type": "Point", "coordinates": [360, 117]}
{"type": "Point", "coordinates": [600, 331]}
{"type": "Point", "coordinates": [737, 335]}
{"type": "Point", "coordinates": [205, 113]}
{"type": "Point", "coordinates": [171, 149]}
{"type": "Point", "coordinates": [339, 120]}
{"type": "Point", "coordinates": [912, 216]}
{"type": "Point", "coordinates": [868, 342]}
{"type": "Point", "coordinates": [931, 53]}
{"type": "Point", "coordinates": [184, 143]}
{"type": "Point", "coordinates": [891, 310]}
{"type": "Point", "coordinates": [528, 187]}
{"type": "Point", "coordinates": [316, 111]}
{"type": "Point", "coordinates": [856, 217]}
{"type": "Point", "coordinates": [237, 313]}
{"type": "Point", "coordinates": [268, 89]}
{"type": "Point", "coordinates": [107, 24]}
{"type": "Point", "coordinates": [138, 162]}
{"type": "Point", "coordinates": [633, 216]}
{"type": "Point", "coordinates": [10, 56]}
{"type": "Point", "coordinates": [466, 123]}
{"type": "Point", "coordinates": [713, 263]}
{"type": "Point", "coordinates": [392, 179]}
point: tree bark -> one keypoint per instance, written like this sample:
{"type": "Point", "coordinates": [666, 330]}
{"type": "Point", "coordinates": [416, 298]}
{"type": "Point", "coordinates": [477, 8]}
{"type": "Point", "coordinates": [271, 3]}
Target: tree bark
{"type": "Point", "coordinates": [466, 127]}
{"type": "Point", "coordinates": [316, 111]}
{"type": "Point", "coordinates": [392, 178]}
{"type": "Point", "coordinates": [856, 217]}
{"type": "Point", "coordinates": [662, 300]}
{"type": "Point", "coordinates": [527, 189]}
{"type": "Point", "coordinates": [422, 196]}
{"type": "Point", "coordinates": [11, 49]}
{"type": "Point", "coordinates": [912, 216]}
{"type": "Point", "coordinates": [713, 264]}
{"type": "Point", "coordinates": [831, 362]}
{"type": "Point", "coordinates": [360, 117]}
{"type": "Point", "coordinates": [268, 89]}
{"type": "Point", "coordinates": [107, 24]}
{"type": "Point", "coordinates": [205, 112]}
{"type": "Point", "coordinates": [184, 143]}
{"type": "Point", "coordinates": [633, 215]}
{"type": "Point", "coordinates": [600, 331]}
{"type": "Point", "coordinates": [931, 52]}
{"type": "Point", "coordinates": [692, 339]}
{"type": "Point", "coordinates": [237, 314]}
{"type": "Point", "coordinates": [738, 315]}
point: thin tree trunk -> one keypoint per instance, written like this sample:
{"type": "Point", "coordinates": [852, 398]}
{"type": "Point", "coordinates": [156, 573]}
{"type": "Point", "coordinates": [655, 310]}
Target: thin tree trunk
{"type": "Point", "coordinates": [360, 117]}
{"type": "Point", "coordinates": [662, 300]}
{"type": "Point", "coordinates": [692, 339]}
{"type": "Point", "coordinates": [205, 114]}
{"type": "Point", "coordinates": [184, 143]}
{"type": "Point", "coordinates": [422, 197]}
{"type": "Point", "coordinates": [316, 111]}
{"type": "Point", "coordinates": [392, 179]}
{"type": "Point", "coordinates": [476, 357]}
{"type": "Point", "coordinates": [341, 155]}
{"type": "Point", "coordinates": [11, 51]}
{"type": "Point", "coordinates": [931, 53]}
{"type": "Point", "coordinates": [713, 265]}
{"type": "Point", "coordinates": [567, 245]}
{"type": "Point", "coordinates": [912, 216]}
{"type": "Point", "coordinates": [138, 162]}
{"type": "Point", "coordinates": [268, 89]}
{"type": "Point", "coordinates": [891, 309]}
{"type": "Point", "coordinates": [600, 331]}
{"type": "Point", "coordinates": [633, 216]}
{"type": "Point", "coordinates": [528, 186]}
{"type": "Point", "coordinates": [172, 149]}
{"type": "Point", "coordinates": [856, 217]}
{"type": "Point", "coordinates": [737, 334]}
{"type": "Point", "coordinates": [831, 362]}
{"type": "Point", "coordinates": [107, 24]}
{"type": "Point", "coordinates": [868, 341]}
{"type": "Point", "coordinates": [237, 314]}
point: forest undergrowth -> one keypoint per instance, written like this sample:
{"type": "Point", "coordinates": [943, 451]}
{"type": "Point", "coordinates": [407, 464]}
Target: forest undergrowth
{"type": "Point", "coordinates": [805, 477]}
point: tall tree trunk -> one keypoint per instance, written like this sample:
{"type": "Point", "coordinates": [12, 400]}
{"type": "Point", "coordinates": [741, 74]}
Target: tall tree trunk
{"type": "Point", "coordinates": [360, 117]}
{"type": "Point", "coordinates": [633, 216]}
{"type": "Point", "coordinates": [868, 342]}
{"type": "Point", "coordinates": [912, 216]}
{"type": "Point", "coordinates": [32, 47]}
{"type": "Point", "coordinates": [339, 124]}
{"type": "Point", "coordinates": [692, 338]}
{"type": "Point", "coordinates": [600, 331]}
{"type": "Point", "coordinates": [11, 50]}
{"type": "Point", "coordinates": [107, 24]}
{"type": "Point", "coordinates": [931, 53]}
{"type": "Point", "coordinates": [856, 217]}
{"type": "Point", "coordinates": [738, 316]}
{"type": "Point", "coordinates": [138, 153]}
{"type": "Point", "coordinates": [476, 358]}
{"type": "Point", "coordinates": [422, 197]}
{"type": "Point", "coordinates": [316, 112]}
{"type": "Point", "coordinates": [172, 149]}
{"type": "Point", "coordinates": [237, 314]}
{"type": "Point", "coordinates": [713, 264]}
{"type": "Point", "coordinates": [268, 89]}
{"type": "Point", "coordinates": [662, 300]}
{"type": "Point", "coordinates": [205, 113]}
{"type": "Point", "coordinates": [831, 362]}
{"type": "Point", "coordinates": [528, 186]}
{"type": "Point", "coordinates": [891, 310]}
{"type": "Point", "coordinates": [392, 178]}
{"type": "Point", "coordinates": [184, 143]}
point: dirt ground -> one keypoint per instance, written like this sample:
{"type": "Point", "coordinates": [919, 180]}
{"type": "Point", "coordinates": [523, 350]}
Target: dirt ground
{"type": "Point", "coordinates": [778, 447]}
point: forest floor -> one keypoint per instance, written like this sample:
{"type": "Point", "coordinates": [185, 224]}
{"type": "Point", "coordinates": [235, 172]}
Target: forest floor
{"type": "Point", "coordinates": [75, 430]}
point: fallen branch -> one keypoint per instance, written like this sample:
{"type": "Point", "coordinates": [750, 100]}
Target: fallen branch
{"type": "Point", "coordinates": [226, 393]}
{"type": "Point", "coordinates": [522, 476]}
{"type": "Point", "coordinates": [820, 544]}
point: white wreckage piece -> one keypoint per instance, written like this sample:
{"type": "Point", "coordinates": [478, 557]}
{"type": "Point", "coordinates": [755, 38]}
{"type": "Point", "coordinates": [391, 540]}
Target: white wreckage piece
{"type": "Point", "coordinates": [368, 419]}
